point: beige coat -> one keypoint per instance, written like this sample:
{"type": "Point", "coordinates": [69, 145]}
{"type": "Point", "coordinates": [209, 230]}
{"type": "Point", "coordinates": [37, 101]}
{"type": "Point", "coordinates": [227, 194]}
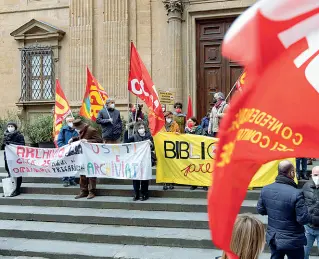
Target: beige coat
{"type": "Point", "coordinates": [215, 117]}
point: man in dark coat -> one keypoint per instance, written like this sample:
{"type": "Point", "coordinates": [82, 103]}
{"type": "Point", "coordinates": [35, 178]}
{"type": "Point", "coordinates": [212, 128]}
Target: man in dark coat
{"type": "Point", "coordinates": [111, 123]}
{"type": "Point", "coordinates": [66, 133]}
{"type": "Point", "coordinates": [14, 137]}
{"type": "Point", "coordinates": [141, 135]}
{"type": "Point", "coordinates": [90, 135]}
{"type": "Point", "coordinates": [311, 192]}
{"type": "Point", "coordinates": [287, 213]}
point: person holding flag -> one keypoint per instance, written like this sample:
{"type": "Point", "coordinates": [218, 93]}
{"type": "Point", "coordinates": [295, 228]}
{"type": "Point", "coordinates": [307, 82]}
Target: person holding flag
{"type": "Point", "coordinates": [67, 132]}
{"type": "Point", "coordinates": [217, 113]}
{"type": "Point", "coordinates": [110, 120]}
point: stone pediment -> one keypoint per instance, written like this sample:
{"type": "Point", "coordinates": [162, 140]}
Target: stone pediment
{"type": "Point", "coordinates": [37, 30]}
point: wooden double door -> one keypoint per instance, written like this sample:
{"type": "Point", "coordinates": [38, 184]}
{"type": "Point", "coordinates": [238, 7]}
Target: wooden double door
{"type": "Point", "coordinates": [214, 72]}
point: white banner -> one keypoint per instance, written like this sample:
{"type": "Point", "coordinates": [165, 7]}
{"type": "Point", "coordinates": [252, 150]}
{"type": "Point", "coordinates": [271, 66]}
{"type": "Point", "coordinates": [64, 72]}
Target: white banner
{"type": "Point", "coordinates": [119, 161]}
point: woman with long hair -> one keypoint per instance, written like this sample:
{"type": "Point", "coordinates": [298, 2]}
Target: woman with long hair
{"type": "Point", "coordinates": [248, 239]}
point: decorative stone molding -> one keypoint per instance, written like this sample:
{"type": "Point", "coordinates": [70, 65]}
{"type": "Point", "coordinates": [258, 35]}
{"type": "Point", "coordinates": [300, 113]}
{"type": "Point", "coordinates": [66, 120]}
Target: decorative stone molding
{"type": "Point", "coordinates": [174, 6]}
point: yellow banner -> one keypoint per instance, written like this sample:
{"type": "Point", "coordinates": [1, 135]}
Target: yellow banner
{"type": "Point", "coordinates": [189, 160]}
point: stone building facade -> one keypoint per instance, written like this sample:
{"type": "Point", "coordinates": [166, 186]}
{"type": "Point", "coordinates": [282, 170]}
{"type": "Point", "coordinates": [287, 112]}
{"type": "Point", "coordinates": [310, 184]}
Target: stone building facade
{"type": "Point", "coordinates": [178, 40]}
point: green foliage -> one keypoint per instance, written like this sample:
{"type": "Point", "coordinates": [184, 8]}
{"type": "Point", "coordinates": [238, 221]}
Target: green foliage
{"type": "Point", "coordinates": [40, 129]}
{"type": "Point", "coordinates": [9, 117]}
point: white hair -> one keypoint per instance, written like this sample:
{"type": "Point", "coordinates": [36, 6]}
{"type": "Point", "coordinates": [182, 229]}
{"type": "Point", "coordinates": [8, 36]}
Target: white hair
{"type": "Point", "coordinates": [219, 96]}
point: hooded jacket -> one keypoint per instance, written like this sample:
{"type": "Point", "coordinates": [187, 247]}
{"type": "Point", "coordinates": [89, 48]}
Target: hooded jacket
{"type": "Point", "coordinates": [65, 135]}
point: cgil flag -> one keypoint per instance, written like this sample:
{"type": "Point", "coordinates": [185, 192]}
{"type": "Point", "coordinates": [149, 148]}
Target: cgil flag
{"type": "Point", "coordinates": [277, 44]}
{"type": "Point", "coordinates": [61, 110]}
{"type": "Point", "coordinates": [94, 98]}
{"type": "Point", "coordinates": [141, 85]}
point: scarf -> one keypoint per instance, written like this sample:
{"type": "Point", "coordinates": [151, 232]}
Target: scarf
{"type": "Point", "coordinates": [286, 180]}
{"type": "Point", "coordinates": [218, 103]}
{"type": "Point", "coordinates": [8, 136]}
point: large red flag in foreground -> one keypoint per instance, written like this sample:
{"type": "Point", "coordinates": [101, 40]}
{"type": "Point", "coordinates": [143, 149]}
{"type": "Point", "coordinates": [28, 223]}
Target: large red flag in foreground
{"type": "Point", "coordinates": [189, 108]}
{"type": "Point", "coordinates": [61, 110]}
{"type": "Point", "coordinates": [278, 43]}
{"type": "Point", "coordinates": [140, 84]}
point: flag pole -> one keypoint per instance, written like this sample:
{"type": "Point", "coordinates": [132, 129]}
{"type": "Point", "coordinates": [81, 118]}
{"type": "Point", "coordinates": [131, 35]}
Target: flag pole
{"type": "Point", "coordinates": [135, 114]}
{"type": "Point", "coordinates": [231, 90]}
{"type": "Point", "coordinates": [128, 115]}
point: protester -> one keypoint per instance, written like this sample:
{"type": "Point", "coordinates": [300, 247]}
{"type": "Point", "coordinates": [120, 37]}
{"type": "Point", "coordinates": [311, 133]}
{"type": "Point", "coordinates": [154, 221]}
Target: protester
{"type": "Point", "coordinates": [217, 114]}
{"type": "Point", "coordinates": [205, 122]}
{"type": "Point", "coordinates": [110, 120]}
{"type": "Point", "coordinates": [170, 126]}
{"type": "Point", "coordinates": [248, 238]}
{"type": "Point", "coordinates": [311, 192]}
{"type": "Point", "coordinates": [67, 132]}
{"type": "Point", "coordinates": [179, 116]}
{"type": "Point", "coordinates": [14, 137]}
{"type": "Point", "coordinates": [141, 135]}
{"type": "Point", "coordinates": [193, 128]}
{"type": "Point", "coordinates": [163, 108]}
{"type": "Point", "coordinates": [90, 135]}
{"type": "Point", "coordinates": [287, 213]}
{"type": "Point", "coordinates": [303, 173]}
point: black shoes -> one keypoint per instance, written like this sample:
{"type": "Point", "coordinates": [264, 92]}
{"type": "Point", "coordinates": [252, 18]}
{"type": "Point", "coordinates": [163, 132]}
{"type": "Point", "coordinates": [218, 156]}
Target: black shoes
{"type": "Point", "coordinates": [136, 198]}
{"type": "Point", "coordinates": [165, 188]}
{"type": "Point", "coordinates": [205, 188]}
{"type": "Point", "coordinates": [15, 193]}
{"type": "Point", "coordinates": [144, 198]}
{"type": "Point", "coordinates": [193, 188]}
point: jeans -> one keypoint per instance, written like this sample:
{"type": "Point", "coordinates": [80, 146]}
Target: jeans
{"type": "Point", "coordinates": [291, 254]}
{"type": "Point", "coordinates": [303, 163]}
{"type": "Point", "coordinates": [68, 179]}
{"type": "Point", "coordinates": [312, 235]}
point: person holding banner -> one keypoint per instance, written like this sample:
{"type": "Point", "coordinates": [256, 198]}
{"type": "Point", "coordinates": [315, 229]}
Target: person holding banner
{"type": "Point", "coordinates": [142, 135]}
{"type": "Point", "coordinates": [14, 137]}
{"type": "Point", "coordinates": [110, 120]}
{"type": "Point", "coordinates": [217, 114]}
{"type": "Point", "coordinates": [90, 135]}
{"type": "Point", "coordinates": [66, 133]}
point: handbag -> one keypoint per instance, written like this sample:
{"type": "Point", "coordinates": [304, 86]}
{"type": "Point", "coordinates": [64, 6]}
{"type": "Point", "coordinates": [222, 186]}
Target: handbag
{"type": "Point", "coordinates": [9, 185]}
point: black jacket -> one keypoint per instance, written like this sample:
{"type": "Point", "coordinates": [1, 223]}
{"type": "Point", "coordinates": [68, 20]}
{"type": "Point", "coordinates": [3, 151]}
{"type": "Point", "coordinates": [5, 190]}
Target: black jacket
{"type": "Point", "coordinates": [311, 194]}
{"type": "Point", "coordinates": [14, 138]}
{"type": "Point", "coordinates": [287, 213]}
{"type": "Point", "coordinates": [110, 131]}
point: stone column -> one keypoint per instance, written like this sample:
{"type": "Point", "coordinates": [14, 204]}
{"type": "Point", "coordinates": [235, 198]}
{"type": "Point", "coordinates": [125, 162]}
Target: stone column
{"type": "Point", "coordinates": [174, 12]}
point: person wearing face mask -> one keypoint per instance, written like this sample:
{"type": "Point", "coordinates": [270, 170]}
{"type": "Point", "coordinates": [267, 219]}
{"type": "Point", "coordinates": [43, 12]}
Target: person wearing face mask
{"type": "Point", "coordinates": [217, 113]}
{"type": "Point", "coordinates": [90, 135]}
{"type": "Point", "coordinates": [311, 192]}
{"type": "Point", "coordinates": [14, 137]}
{"type": "Point", "coordinates": [170, 126]}
{"type": "Point", "coordinates": [163, 108]}
{"type": "Point", "coordinates": [287, 214]}
{"type": "Point", "coordinates": [110, 120]}
{"type": "Point", "coordinates": [67, 132]}
{"type": "Point", "coordinates": [141, 186]}
{"type": "Point", "coordinates": [179, 116]}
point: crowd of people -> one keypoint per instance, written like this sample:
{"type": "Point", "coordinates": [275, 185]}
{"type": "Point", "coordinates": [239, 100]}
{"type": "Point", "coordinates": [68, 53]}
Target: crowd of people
{"type": "Point", "coordinates": [293, 214]}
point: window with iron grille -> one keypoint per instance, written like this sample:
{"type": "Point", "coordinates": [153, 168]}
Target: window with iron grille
{"type": "Point", "coordinates": [37, 74]}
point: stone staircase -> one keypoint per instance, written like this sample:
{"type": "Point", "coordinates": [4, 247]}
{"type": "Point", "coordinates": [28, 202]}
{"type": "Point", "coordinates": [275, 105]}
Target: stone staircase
{"type": "Point", "coordinates": [46, 221]}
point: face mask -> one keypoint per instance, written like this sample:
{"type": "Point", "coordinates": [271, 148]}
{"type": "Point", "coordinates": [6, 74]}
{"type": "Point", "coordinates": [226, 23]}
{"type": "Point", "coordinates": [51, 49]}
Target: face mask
{"type": "Point", "coordinates": [163, 109]}
{"type": "Point", "coordinates": [141, 131]}
{"type": "Point", "coordinates": [190, 124]}
{"type": "Point", "coordinates": [316, 180]}
{"type": "Point", "coordinates": [178, 110]}
{"type": "Point", "coordinates": [11, 129]}
{"type": "Point", "coordinates": [70, 124]}
{"type": "Point", "coordinates": [168, 120]}
{"type": "Point", "coordinates": [112, 105]}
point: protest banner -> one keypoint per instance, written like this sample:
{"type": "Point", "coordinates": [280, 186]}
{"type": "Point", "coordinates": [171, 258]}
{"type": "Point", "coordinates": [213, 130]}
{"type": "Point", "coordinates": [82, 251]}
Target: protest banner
{"type": "Point", "coordinates": [166, 97]}
{"type": "Point", "coordinates": [121, 161]}
{"type": "Point", "coordinates": [189, 160]}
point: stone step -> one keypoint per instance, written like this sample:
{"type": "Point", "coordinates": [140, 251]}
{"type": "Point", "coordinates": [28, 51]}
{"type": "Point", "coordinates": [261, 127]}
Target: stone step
{"type": "Point", "coordinates": [122, 190]}
{"type": "Point", "coordinates": [164, 219]}
{"type": "Point", "coordinates": [111, 234]}
{"type": "Point", "coordinates": [54, 249]}
{"type": "Point", "coordinates": [115, 202]}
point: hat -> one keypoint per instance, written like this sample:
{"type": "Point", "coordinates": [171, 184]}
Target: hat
{"type": "Point", "coordinates": [77, 123]}
{"type": "Point", "coordinates": [11, 123]}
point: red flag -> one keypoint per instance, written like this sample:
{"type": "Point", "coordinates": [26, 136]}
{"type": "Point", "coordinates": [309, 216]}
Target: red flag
{"type": "Point", "coordinates": [61, 110]}
{"type": "Point", "coordinates": [189, 108]}
{"type": "Point", "coordinates": [277, 44]}
{"type": "Point", "coordinates": [241, 81]}
{"type": "Point", "coordinates": [94, 98]}
{"type": "Point", "coordinates": [140, 84]}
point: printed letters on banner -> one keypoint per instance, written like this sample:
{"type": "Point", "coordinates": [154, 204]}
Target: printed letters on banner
{"type": "Point", "coordinates": [122, 161]}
